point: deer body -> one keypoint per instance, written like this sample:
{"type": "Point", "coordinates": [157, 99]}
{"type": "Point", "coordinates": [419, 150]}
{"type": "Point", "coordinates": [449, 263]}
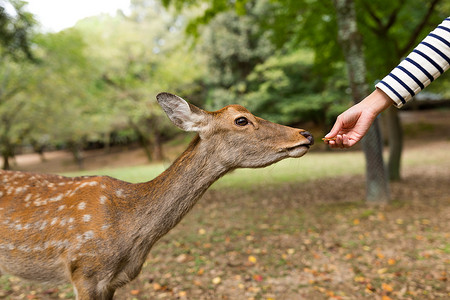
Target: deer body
{"type": "Point", "coordinates": [96, 232]}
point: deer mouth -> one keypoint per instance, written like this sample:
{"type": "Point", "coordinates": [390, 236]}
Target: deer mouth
{"type": "Point", "coordinates": [297, 150]}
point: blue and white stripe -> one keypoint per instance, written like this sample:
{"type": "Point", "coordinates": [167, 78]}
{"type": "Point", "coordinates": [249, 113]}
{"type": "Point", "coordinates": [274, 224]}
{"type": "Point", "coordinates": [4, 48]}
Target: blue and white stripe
{"type": "Point", "coordinates": [423, 65]}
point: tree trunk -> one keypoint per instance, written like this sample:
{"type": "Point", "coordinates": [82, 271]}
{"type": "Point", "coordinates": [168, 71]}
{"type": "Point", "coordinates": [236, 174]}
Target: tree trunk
{"type": "Point", "coordinates": [395, 143]}
{"type": "Point", "coordinates": [6, 165]}
{"type": "Point", "coordinates": [75, 149]}
{"type": "Point", "coordinates": [157, 147]}
{"type": "Point", "coordinates": [351, 44]}
{"type": "Point", "coordinates": [143, 140]}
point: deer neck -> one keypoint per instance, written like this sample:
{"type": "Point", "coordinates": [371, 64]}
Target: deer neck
{"type": "Point", "coordinates": [172, 194]}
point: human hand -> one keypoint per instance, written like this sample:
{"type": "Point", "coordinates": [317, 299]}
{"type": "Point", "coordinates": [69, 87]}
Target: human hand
{"type": "Point", "coordinates": [351, 126]}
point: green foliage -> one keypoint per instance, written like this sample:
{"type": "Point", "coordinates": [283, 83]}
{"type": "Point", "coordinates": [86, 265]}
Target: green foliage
{"type": "Point", "coordinates": [234, 44]}
{"type": "Point", "coordinates": [16, 26]}
{"type": "Point", "coordinates": [68, 88]}
{"type": "Point", "coordinates": [139, 56]}
{"type": "Point", "coordinates": [15, 111]}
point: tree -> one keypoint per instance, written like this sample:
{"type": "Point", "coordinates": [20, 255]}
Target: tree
{"type": "Point", "coordinates": [15, 38]}
{"type": "Point", "coordinates": [351, 43]}
{"type": "Point", "coordinates": [16, 26]}
{"type": "Point", "coordinates": [139, 56]}
{"type": "Point", "coordinates": [15, 78]}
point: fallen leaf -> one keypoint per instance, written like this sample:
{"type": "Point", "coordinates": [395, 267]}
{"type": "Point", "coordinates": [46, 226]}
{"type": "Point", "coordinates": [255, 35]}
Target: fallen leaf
{"type": "Point", "coordinates": [202, 231]}
{"type": "Point", "coordinates": [370, 288]}
{"type": "Point", "coordinates": [386, 298]}
{"type": "Point", "coordinates": [382, 271]}
{"type": "Point", "coordinates": [216, 280]}
{"type": "Point", "coordinates": [258, 278]}
{"type": "Point", "coordinates": [356, 222]}
{"type": "Point", "coordinates": [391, 261]}
{"type": "Point", "coordinates": [386, 287]}
{"type": "Point", "coordinates": [181, 258]}
{"type": "Point", "coordinates": [252, 259]}
{"type": "Point", "coordinates": [198, 283]}
{"type": "Point", "coordinates": [135, 292]}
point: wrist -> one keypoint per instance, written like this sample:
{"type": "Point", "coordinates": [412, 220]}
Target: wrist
{"type": "Point", "coordinates": [377, 101]}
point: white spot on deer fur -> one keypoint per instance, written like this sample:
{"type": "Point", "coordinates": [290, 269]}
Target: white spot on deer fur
{"type": "Point", "coordinates": [20, 189]}
{"type": "Point", "coordinates": [7, 246]}
{"type": "Point", "coordinates": [43, 225]}
{"type": "Point", "coordinates": [38, 248]}
{"type": "Point", "coordinates": [54, 221]}
{"type": "Point", "coordinates": [82, 205]}
{"type": "Point", "coordinates": [28, 197]}
{"type": "Point", "coordinates": [1, 194]}
{"type": "Point", "coordinates": [61, 207]}
{"type": "Point", "coordinates": [24, 248]}
{"type": "Point", "coordinates": [60, 244]}
{"type": "Point", "coordinates": [39, 202]}
{"type": "Point", "coordinates": [86, 218]}
{"type": "Point", "coordinates": [9, 190]}
{"type": "Point", "coordinates": [103, 199]}
{"type": "Point", "coordinates": [104, 227]}
{"type": "Point", "coordinates": [88, 183]}
{"type": "Point", "coordinates": [88, 235]}
{"type": "Point", "coordinates": [63, 222]}
{"type": "Point", "coordinates": [119, 193]}
{"type": "Point", "coordinates": [57, 198]}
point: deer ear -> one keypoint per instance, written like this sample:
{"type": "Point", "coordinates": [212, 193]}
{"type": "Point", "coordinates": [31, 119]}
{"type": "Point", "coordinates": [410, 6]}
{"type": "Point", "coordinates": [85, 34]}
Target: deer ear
{"type": "Point", "coordinates": [184, 115]}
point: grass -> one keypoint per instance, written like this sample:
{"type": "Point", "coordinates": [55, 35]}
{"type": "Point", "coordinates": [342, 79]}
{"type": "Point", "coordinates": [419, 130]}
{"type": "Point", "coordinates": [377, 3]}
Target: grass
{"type": "Point", "coordinates": [310, 167]}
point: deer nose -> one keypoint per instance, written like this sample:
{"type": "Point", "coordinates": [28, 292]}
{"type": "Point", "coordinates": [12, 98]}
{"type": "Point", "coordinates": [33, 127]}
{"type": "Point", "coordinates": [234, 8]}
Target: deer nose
{"type": "Point", "coordinates": [308, 136]}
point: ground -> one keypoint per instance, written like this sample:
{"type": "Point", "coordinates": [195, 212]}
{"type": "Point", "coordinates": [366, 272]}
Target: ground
{"type": "Point", "coordinates": [312, 239]}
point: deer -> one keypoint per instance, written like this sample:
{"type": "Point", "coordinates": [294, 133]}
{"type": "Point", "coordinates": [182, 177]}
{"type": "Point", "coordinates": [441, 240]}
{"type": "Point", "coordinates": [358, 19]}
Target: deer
{"type": "Point", "coordinates": [96, 232]}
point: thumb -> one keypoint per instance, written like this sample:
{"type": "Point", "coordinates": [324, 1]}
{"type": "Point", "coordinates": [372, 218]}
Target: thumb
{"type": "Point", "coordinates": [335, 130]}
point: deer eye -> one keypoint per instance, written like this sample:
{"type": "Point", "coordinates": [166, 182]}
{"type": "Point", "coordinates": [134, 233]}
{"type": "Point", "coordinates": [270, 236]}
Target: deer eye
{"type": "Point", "coordinates": [241, 121]}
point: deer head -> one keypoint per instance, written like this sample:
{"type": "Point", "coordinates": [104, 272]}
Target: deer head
{"type": "Point", "coordinates": [235, 137]}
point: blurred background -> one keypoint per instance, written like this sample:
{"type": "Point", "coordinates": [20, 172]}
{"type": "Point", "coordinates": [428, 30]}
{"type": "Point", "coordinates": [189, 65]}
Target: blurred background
{"type": "Point", "coordinates": [78, 81]}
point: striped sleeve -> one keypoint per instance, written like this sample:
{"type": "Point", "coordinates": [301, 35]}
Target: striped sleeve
{"type": "Point", "coordinates": [423, 65]}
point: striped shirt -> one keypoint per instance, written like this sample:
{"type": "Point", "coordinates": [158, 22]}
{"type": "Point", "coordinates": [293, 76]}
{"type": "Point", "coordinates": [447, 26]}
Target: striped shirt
{"type": "Point", "coordinates": [424, 64]}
